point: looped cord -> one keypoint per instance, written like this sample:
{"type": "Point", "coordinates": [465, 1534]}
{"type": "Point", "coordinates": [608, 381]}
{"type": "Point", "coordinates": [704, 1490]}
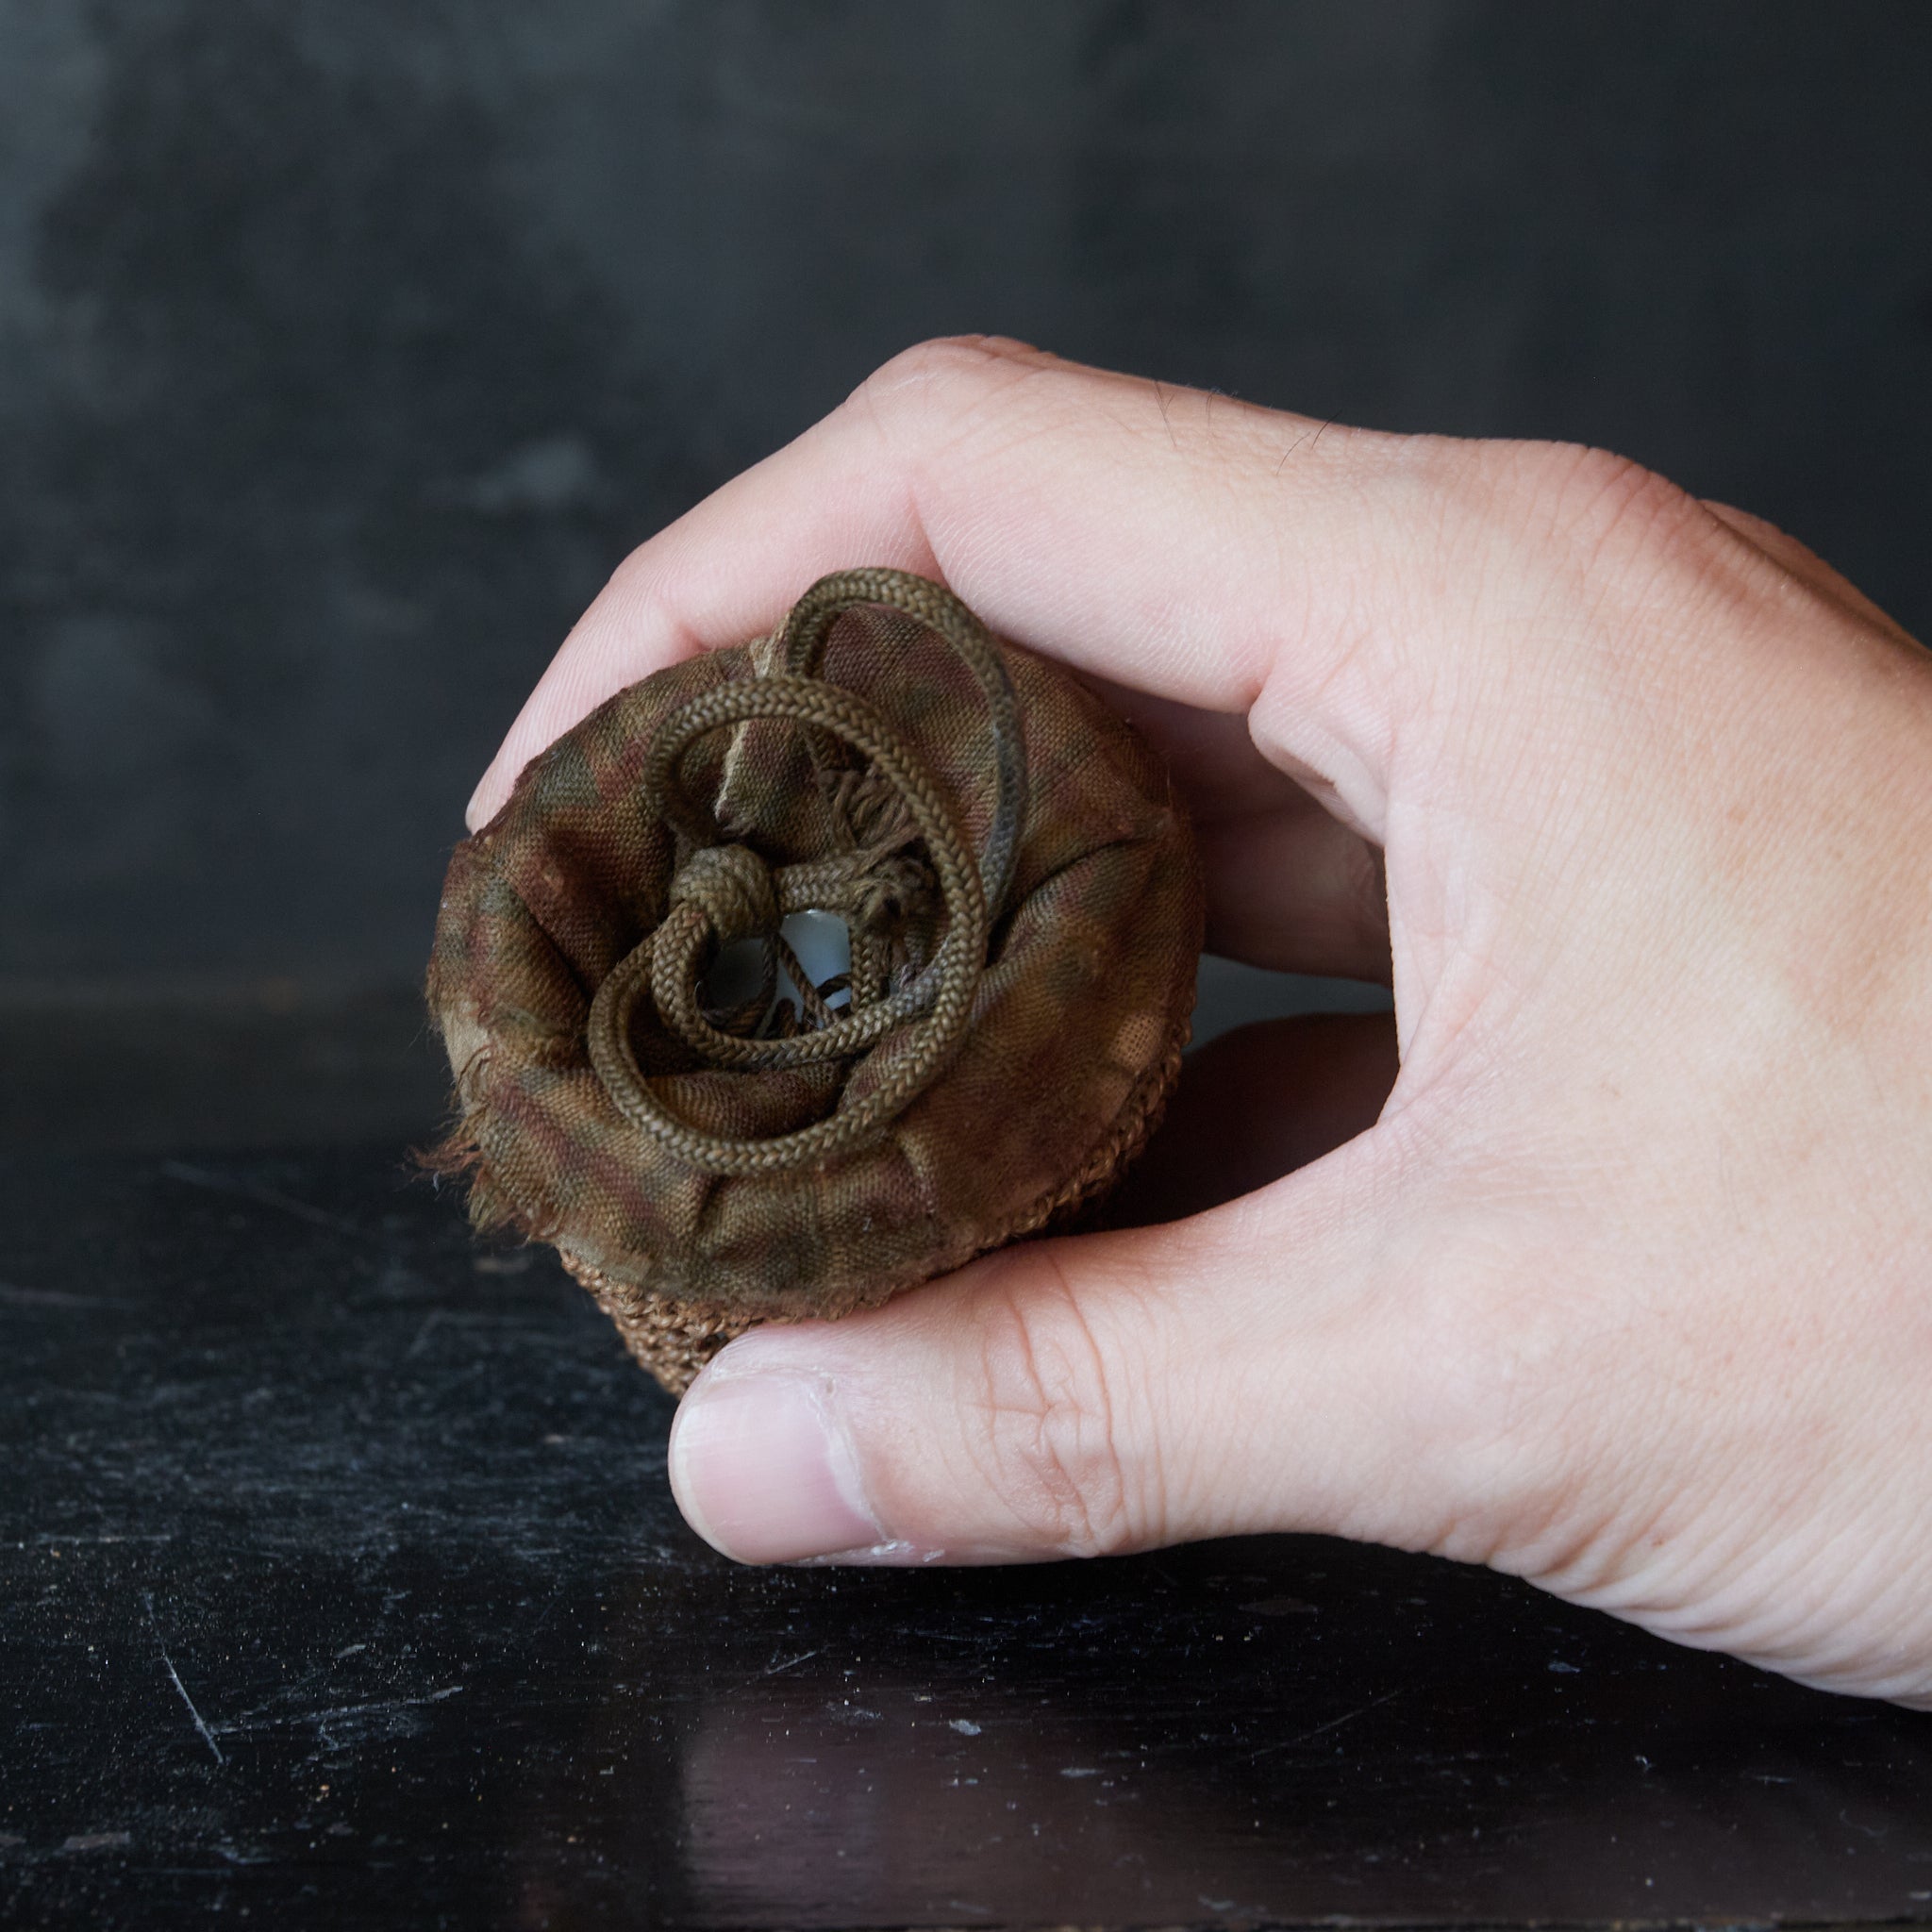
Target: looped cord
{"type": "Point", "coordinates": [938, 610]}
{"type": "Point", "coordinates": [721, 892]}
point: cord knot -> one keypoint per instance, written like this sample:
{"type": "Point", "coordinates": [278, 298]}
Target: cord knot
{"type": "Point", "coordinates": [732, 887]}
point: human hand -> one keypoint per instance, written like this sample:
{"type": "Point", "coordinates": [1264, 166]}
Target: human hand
{"type": "Point", "coordinates": [1627, 1288]}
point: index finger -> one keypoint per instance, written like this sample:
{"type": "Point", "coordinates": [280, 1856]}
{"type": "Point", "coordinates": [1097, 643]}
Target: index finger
{"type": "Point", "coordinates": [1195, 547]}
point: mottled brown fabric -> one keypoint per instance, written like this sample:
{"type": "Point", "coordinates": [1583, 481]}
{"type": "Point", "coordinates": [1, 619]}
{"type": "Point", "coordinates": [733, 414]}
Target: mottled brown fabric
{"type": "Point", "coordinates": [700, 1170]}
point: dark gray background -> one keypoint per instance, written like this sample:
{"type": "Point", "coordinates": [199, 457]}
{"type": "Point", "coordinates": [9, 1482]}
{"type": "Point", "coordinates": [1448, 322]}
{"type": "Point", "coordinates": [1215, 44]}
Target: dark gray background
{"type": "Point", "coordinates": [346, 344]}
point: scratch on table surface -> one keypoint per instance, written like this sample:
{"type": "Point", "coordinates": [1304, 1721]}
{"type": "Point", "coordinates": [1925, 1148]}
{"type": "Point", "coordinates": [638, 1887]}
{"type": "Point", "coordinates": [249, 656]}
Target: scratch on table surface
{"type": "Point", "coordinates": [792, 1663]}
{"type": "Point", "coordinates": [207, 1737]}
{"type": "Point", "coordinates": [379, 1704]}
{"type": "Point", "coordinates": [375, 1706]}
{"type": "Point", "coordinates": [251, 1191]}
{"type": "Point", "coordinates": [53, 1539]}
{"type": "Point", "coordinates": [423, 1334]}
{"type": "Point", "coordinates": [13, 1297]}
{"type": "Point", "coordinates": [1334, 1723]}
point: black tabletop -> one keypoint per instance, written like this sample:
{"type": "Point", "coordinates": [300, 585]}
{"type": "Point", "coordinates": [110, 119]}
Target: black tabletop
{"type": "Point", "coordinates": [340, 1585]}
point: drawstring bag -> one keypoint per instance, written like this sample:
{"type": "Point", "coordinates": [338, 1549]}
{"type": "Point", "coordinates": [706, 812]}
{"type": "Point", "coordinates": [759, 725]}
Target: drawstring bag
{"type": "Point", "coordinates": [648, 1075]}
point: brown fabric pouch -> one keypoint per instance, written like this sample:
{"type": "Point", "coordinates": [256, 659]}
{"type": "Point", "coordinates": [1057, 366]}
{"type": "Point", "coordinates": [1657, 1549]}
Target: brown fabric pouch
{"type": "Point", "coordinates": [1025, 914]}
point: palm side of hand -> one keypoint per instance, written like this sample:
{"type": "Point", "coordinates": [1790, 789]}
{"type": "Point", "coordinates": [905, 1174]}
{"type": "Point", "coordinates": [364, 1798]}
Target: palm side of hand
{"type": "Point", "coordinates": [1627, 1287]}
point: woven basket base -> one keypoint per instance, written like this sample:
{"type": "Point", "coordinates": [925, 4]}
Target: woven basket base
{"type": "Point", "coordinates": [672, 1338]}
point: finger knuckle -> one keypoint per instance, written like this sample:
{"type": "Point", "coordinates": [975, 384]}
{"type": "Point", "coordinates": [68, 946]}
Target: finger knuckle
{"type": "Point", "coordinates": [947, 363]}
{"type": "Point", "coordinates": [1586, 500]}
{"type": "Point", "coordinates": [927, 397]}
{"type": "Point", "coordinates": [1045, 1438]}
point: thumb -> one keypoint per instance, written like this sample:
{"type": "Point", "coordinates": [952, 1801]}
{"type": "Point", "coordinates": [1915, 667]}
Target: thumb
{"type": "Point", "coordinates": [1074, 1397]}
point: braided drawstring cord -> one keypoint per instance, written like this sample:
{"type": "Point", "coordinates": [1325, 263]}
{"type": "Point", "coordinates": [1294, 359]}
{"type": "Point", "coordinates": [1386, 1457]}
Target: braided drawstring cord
{"type": "Point", "coordinates": [724, 893]}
